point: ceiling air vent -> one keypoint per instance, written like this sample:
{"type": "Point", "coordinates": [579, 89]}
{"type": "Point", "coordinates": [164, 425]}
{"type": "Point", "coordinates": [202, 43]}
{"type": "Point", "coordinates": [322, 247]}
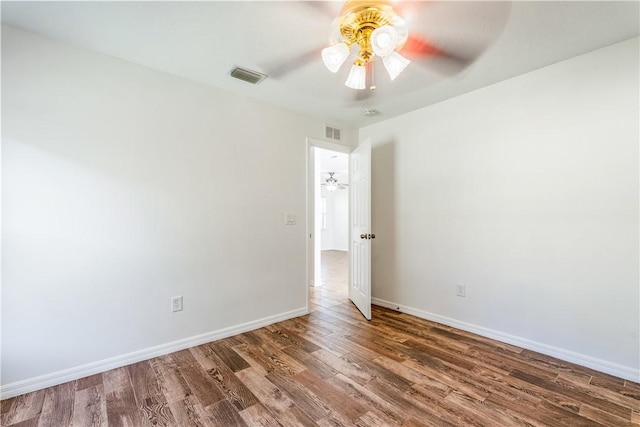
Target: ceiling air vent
{"type": "Point", "coordinates": [247, 75]}
{"type": "Point", "coordinates": [372, 112]}
{"type": "Point", "coordinates": [331, 132]}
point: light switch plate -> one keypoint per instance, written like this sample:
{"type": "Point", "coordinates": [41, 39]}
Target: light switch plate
{"type": "Point", "coordinates": [176, 304]}
{"type": "Point", "coordinates": [289, 219]}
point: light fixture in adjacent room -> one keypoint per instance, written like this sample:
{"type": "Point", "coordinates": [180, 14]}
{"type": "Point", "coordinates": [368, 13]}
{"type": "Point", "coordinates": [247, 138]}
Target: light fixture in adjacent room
{"type": "Point", "coordinates": [332, 184]}
{"type": "Point", "coordinates": [377, 31]}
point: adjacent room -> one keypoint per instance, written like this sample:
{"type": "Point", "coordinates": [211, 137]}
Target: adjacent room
{"type": "Point", "coordinates": [331, 224]}
{"type": "Point", "coordinates": [371, 213]}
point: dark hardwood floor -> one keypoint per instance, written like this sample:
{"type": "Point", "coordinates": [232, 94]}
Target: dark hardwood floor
{"type": "Point", "coordinates": [333, 368]}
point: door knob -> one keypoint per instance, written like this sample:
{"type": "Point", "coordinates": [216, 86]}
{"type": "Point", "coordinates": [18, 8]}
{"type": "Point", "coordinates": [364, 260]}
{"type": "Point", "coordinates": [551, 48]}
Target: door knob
{"type": "Point", "coordinates": [363, 236]}
{"type": "Point", "coordinates": [372, 236]}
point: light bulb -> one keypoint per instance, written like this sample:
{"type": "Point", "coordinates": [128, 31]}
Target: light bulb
{"type": "Point", "coordinates": [334, 56]}
{"type": "Point", "coordinates": [357, 77]}
{"type": "Point", "coordinates": [384, 40]}
{"type": "Point", "coordinates": [394, 64]}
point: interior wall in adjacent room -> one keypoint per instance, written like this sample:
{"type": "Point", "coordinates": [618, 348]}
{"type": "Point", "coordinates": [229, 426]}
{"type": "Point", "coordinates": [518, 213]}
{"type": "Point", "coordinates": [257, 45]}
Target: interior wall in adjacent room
{"type": "Point", "coordinates": [336, 234]}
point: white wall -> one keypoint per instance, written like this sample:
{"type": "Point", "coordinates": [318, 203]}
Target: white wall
{"type": "Point", "coordinates": [336, 235]}
{"type": "Point", "coordinates": [326, 235]}
{"type": "Point", "coordinates": [340, 213]}
{"type": "Point", "coordinates": [526, 192]}
{"type": "Point", "coordinates": [123, 187]}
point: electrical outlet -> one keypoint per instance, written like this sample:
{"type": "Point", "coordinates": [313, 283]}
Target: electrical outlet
{"type": "Point", "coordinates": [176, 304]}
{"type": "Point", "coordinates": [460, 290]}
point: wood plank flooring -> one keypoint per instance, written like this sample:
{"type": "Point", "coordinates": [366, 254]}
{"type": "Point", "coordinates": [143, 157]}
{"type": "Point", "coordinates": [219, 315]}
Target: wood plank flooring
{"type": "Point", "coordinates": [333, 368]}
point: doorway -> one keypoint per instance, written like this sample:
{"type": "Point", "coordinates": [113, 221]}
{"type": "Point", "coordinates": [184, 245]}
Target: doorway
{"type": "Point", "coordinates": [359, 220]}
{"type": "Point", "coordinates": [331, 224]}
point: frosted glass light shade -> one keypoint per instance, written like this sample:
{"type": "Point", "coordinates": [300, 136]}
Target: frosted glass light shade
{"type": "Point", "coordinates": [357, 76]}
{"type": "Point", "coordinates": [401, 27]}
{"type": "Point", "coordinates": [395, 64]}
{"type": "Point", "coordinates": [384, 40]}
{"type": "Point", "coordinates": [335, 35]}
{"type": "Point", "coordinates": [334, 56]}
{"type": "Point", "coordinates": [331, 187]}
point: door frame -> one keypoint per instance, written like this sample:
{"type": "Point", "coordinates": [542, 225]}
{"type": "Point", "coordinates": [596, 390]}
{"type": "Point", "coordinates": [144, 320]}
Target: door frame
{"type": "Point", "coordinates": [310, 214]}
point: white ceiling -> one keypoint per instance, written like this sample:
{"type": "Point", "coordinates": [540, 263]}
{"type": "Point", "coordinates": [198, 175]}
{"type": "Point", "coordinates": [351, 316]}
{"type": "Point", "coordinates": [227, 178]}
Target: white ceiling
{"type": "Point", "coordinates": [333, 161]}
{"type": "Point", "coordinates": [202, 41]}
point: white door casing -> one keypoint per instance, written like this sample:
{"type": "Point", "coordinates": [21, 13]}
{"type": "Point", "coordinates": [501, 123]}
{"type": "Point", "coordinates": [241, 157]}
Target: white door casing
{"type": "Point", "coordinates": [313, 185]}
{"type": "Point", "coordinates": [360, 227]}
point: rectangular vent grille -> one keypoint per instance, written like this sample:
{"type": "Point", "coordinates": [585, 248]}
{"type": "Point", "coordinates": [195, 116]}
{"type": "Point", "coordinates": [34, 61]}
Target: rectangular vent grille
{"type": "Point", "coordinates": [248, 76]}
{"type": "Point", "coordinates": [331, 132]}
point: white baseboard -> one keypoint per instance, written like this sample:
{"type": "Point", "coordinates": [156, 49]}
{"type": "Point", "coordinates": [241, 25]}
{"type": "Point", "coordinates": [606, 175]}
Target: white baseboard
{"type": "Point", "coordinates": [601, 365]}
{"type": "Point", "coordinates": [32, 384]}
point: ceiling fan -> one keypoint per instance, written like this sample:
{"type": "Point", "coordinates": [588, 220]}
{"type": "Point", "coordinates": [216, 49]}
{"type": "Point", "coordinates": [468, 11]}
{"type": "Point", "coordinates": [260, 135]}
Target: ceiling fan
{"type": "Point", "coordinates": [332, 184]}
{"type": "Point", "coordinates": [371, 28]}
{"type": "Point", "coordinates": [396, 33]}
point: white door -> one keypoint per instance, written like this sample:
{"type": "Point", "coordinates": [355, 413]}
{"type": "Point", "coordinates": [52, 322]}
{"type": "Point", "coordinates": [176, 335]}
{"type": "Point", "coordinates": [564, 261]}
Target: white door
{"type": "Point", "coordinates": [360, 224]}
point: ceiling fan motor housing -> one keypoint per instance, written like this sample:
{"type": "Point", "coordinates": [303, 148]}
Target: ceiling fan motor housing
{"type": "Point", "coordinates": [359, 18]}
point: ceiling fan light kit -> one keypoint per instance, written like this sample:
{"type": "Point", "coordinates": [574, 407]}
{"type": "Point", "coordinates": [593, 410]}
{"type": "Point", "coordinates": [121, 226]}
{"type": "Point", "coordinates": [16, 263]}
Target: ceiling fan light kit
{"type": "Point", "coordinates": [335, 56]}
{"type": "Point", "coordinates": [395, 63]}
{"type": "Point", "coordinates": [375, 28]}
{"type": "Point", "coordinates": [384, 40]}
{"type": "Point", "coordinates": [332, 184]}
{"type": "Point", "coordinates": [357, 77]}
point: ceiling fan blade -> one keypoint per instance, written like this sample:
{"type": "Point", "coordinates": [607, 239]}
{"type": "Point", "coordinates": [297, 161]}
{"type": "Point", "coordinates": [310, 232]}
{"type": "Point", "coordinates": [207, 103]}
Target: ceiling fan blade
{"type": "Point", "coordinates": [358, 95]}
{"type": "Point", "coordinates": [321, 7]}
{"type": "Point", "coordinates": [448, 37]}
{"type": "Point", "coordinates": [427, 54]}
{"type": "Point", "coordinates": [280, 68]}
{"type": "Point", "coordinates": [417, 46]}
